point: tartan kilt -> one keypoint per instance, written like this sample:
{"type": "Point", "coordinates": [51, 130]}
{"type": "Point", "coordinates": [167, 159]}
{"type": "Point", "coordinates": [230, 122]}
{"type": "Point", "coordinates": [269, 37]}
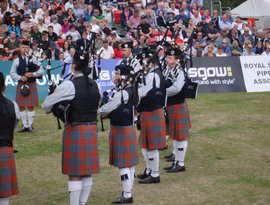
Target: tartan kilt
{"type": "Point", "coordinates": [153, 130]}
{"type": "Point", "coordinates": [179, 121]}
{"type": "Point", "coordinates": [8, 177]}
{"type": "Point", "coordinates": [123, 146]}
{"type": "Point", "coordinates": [29, 101]}
{"type": "Point", "coordinates": [80, 150]}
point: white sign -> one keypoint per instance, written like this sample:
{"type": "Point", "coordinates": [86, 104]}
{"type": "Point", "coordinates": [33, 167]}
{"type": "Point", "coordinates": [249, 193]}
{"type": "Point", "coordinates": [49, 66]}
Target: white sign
{"type": "Point", "coordinates": [256, 72]}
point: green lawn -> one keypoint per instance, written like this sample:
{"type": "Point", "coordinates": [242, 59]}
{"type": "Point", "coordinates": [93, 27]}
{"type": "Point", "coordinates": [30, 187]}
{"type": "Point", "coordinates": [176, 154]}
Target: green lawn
{"type": "Point", "coordinates": [227, 162]}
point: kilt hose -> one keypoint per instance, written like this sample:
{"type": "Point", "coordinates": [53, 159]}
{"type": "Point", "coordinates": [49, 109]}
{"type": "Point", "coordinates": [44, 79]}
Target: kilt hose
{"type": "Point", "coordinates": [179, 121]}
{"type": "Point", "coordinates": [80, 150]}
{"type": "Point", "coordinates": [153, 130]}
{"type": "Point", "coordinates": [123, 146]}
{"type": "Point", "coordinates": [29, 101]}
{"type": "Point", "coordinates": [8, 177]}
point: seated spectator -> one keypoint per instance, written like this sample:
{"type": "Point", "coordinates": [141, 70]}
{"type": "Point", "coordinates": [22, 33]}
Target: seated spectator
{"type": "Point", "coordinates": [97, 14]}
{"type": "Point", "coordinates": [233, 37]}
{"type": "Point", "coordinates": [113, 38]}
{"type": "Point", "coordinates": [223, 35]}
{"type": "Point", "coordinates": [196, 49]}
{"type": "Point", "coordinates": [161, 7]}
{"type": "Point", "coordinates": [258, 49]}
{"type": "Point", "coordinates": [210, 51]}
{"type": "Point", "coordinates": [61, 56]}
{"type": "Point", "coordinates": [65, 49]}
{"type": "Point", "coordinates": [207, 16]}
{"type": "Point", "coordinates": [78, 12]}
{"type": "Point", "coordinates": [52, 52]}
{"type": "Point", "coordinates": [33, 4]}
{"type": "Point", "coordinates": [144, 30]}
{"type": "Point", "coordinates": [3, 29]}
{"type": "Point", "coordinates": [118, 50]}
{"type": "Point", "coordinates": [134, 20]}
{"type": "Point", "coordinates": [33, 16]}
{"type": "Point", "coordinates": [171, 20]}
{"type": "Point", "coordinates": [212, 32]}
{"type": "Point", "coordinates": [26, 25]}
{"type": "Point", "coordinates": [61, 16]}
{"type": "Point", "coordinates": [44, 44]}
{"type": "Point", "coordinates": [161, 21]}
{"type": "Point", "coordinates": [41, 25]}
{"type": "Point", "coordinates": [259, 36]}
{"type": "Point", "coordinates": [98, 41]}
{"type": "Point", "coordinates": [53, 11]}
{"type": "Point", "coordinates": [246, 36]}
{"type": "Point", "coordinates": [41, 11]}
{"type": "Point", "coordinates": [267, 51]}
{"type": "Point", "coordinates": [71, 16]}
{"type": "Point", "coordinates": [52, 36]}
{"type": "Point", "coordinates": [190, 28]}
{"type": "Point", "coordinates": [226, 47]}
{"type": "Point", "coordinates": [249, 51]}
{"type": "Point", "coordinates": [12, 44]}
{"type": "Point", "coordinates": [220, 52]}
{"type": "Point", "coordinates": [65, 27]}
{"type": "Point", "coordinates": [74, 33]}
{"type": "Point", "coordinates": [36, 51]}
{"type": "Point", "coordinates": [94, 25]}
{"type": "Point", "coordinates": [47, 18]}
{"type": "Point", "coordinates": [13, 27]}
{"type": "Point", "coordinates": [69, 4]}
{"type": "Point", "coordinates": [224, 23]}
{"type": "Point", "coordinates": [183, 16]}
{"type": "Point", "coordinates": [201, 41]}
{"type": "Point", "coordinates": [151, 18]}
{"type": "Point", "coordinates": [69, 38]}
{"type": "Point", "coordinates": [246, 43]}
{"type": "Point", "coordinates": [235, 48]}
{"type": "Point", "coordinates": [196, 17]}
{"type": "Point", "coordinates": [36, 35]}
{"type": "Point", "coordinates": [57, 28]}
{"type": "Point", "coordinates": [80, 26]}
{"type": "Point", "coordinates": [88, 13]}
{"type": "Point", "coordinates": [106, 51]}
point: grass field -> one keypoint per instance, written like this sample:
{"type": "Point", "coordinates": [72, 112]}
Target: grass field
{"type": "Point", "coordinates": [227, 162]}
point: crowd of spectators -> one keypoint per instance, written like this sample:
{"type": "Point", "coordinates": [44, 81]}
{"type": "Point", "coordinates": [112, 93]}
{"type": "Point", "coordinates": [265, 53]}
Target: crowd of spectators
{"type": "Point", "coordinates": [58, 28]}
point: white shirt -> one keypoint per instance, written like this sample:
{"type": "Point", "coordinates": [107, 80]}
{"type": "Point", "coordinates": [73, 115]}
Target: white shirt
{"type": "Point", "coordinates": [106, 53]}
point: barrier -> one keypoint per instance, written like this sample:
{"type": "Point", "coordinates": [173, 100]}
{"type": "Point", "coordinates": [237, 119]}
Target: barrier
{"type": "Point", "coordinates": [217, 74]}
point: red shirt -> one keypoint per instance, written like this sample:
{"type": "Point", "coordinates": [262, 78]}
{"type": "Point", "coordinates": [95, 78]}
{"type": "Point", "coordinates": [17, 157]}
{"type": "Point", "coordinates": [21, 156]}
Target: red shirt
{"type": "Point", "coordinates": [117, 53]}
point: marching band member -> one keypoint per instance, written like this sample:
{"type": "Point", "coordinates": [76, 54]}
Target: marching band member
{"type": "Point", "coordinates": [129, 59]}
{"type": "Point", "coordinates": [25, 72]}
{"type": "Point", "coordinates": [153, 130]}
{"type": "Point", "coordinates": [80, 147]}
{"type": "Point", "coordinates": [9, 116]}
{"type": "Point", "coordinates": [179, 121]}
{"type": "Point", "coordinates": [122, 137]}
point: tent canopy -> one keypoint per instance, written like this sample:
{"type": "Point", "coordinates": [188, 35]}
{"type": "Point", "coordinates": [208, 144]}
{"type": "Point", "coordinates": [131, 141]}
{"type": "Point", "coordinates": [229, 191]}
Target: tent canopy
{"type": "Point", "coordinates": [253, 8]}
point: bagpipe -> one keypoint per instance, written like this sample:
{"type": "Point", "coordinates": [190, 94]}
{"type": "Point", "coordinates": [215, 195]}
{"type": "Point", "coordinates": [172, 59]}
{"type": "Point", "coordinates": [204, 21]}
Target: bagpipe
{"type": "Point", "coordinates": [59, 109]}
{"type": "Point", "coordinates": [33, 65]}
{"type": "Point", "coordinates": [190, 89]}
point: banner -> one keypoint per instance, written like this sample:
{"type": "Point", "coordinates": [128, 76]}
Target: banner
{"type": "Point", "coordinates": [217, 74]}
{"type": "Point", "coordinates": [256, 71]}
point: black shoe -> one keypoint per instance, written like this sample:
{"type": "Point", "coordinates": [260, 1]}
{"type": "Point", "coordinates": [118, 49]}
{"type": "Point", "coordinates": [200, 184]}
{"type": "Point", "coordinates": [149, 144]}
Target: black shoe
{"type": "Point", "coordinates": [123, 200]}
{"type": "Point", "coordinates": [24, 129]}
{"type": "Point", "coordinates": [168, 156]}
{"type": "Point", "coordinates": [177, 168]}
{"type": "Point", "coordinates": [144, 175]}
{"type": "Point", "coordinates": [170, 167]}
{"type": "Point", "coordinates": [171, 159]}
{"type": "Point", "coordinates": [31, 129]}
{"type": "Point", "coordinates": [150, 180]}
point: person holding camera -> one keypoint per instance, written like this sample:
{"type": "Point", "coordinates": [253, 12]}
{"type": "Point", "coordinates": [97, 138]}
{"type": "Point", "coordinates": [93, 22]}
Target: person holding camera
{"type": "Point", "coordinates": [25, 71]}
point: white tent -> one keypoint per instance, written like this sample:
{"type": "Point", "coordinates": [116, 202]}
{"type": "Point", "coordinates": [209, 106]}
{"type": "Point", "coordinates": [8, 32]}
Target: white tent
{"type": "Point", "coordinates": [259, 9]}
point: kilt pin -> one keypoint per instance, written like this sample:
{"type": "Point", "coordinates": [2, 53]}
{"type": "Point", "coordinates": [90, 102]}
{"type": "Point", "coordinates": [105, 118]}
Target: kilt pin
{"type": "Point", "coordinates": [80, 150]}
{"type": "Point", "coordinates": [153, 130]}
{"type": "Point", "coordinates": [29, 101]}
{"type": "Point", "coordinates": [8, 177]}
{"type": "Point", "coordinates": [123, 146]}
{"type": "Point", "coordinates": [179, 121]}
